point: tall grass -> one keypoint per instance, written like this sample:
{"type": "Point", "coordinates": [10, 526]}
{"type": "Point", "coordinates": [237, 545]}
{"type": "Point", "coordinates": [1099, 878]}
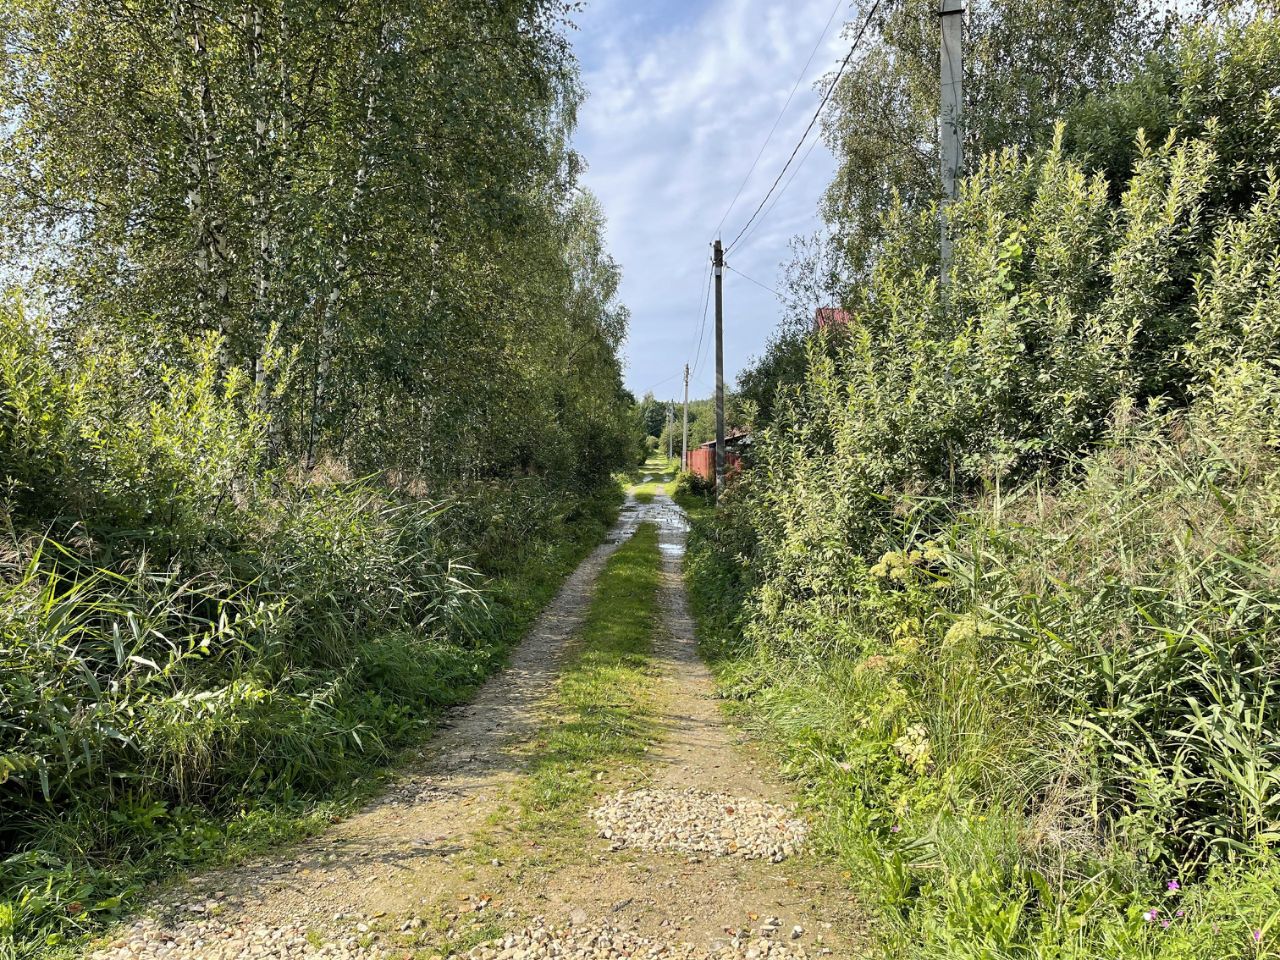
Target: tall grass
{"type": "Point", "coordinates": [1033, 711]}
{"type": "Point", "coordinates": [196, 646]}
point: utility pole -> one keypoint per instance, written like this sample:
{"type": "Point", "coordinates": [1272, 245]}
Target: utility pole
{"type": "Point", "coordinates": [718, 262]}
{"type": "Point", "coordinates": [684, 444]}
{"type": "Point", "coordinates": [950, 117]}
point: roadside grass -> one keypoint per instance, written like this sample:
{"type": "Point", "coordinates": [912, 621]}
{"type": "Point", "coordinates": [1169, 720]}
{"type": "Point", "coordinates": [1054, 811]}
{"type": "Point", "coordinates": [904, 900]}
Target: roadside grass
{"type": "Point", "coordinates": [179, 840]}
{"type": "Point", "coordinates": [604, 697]}
{"type": "Point", "coordinates": [944, 855]}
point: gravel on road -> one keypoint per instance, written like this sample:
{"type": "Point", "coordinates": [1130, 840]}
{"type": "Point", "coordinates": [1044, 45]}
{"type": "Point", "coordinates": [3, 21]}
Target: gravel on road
{"type": "Point", "coordinates": [605, 942]}
{"type": "Point", "coordinates": [699, 822]}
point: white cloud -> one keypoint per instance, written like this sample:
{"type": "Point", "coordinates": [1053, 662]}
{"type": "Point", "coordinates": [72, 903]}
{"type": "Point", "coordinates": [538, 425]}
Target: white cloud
{"type": "Point", "coordinates": [680, 98]}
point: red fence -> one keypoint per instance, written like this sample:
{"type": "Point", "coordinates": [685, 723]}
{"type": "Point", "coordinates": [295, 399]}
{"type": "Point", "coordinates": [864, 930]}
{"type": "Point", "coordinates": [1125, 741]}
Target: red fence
{"type": "Point", "coordinates": [702, 461]}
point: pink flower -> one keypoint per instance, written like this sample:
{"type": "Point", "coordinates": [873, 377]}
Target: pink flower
{"type": "Point", "coordinates": [1150, 915]}
{"type": "Point", "coordinates": [1165, 924]}
{"type": "Point", "coordinates": [1174, 885]}
{"type": "Point", "coordinates": [1257, 936]}
{"type": "Point", "coordinates": [1180, 913]}
{"type": "Point", "coordinates": [895, 828]}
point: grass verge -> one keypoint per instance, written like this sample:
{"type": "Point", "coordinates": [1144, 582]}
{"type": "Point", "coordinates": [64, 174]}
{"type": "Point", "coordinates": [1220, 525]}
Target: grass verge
{"type": "Point", "coordinates": [948, 865]}
{"type": "Point", "coordinates": [103, 866]}
{"type": "Point", "coordinates": [604, 697]}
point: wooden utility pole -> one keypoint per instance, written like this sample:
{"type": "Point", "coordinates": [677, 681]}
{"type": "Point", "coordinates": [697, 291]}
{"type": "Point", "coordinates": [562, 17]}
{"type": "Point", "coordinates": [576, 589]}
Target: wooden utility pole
{"type": "Point", "coordinates": [684, 443]}
{"type": "Point", "coordinates": [718, 262]}
{"type": "Point", "coordinates": [950, 117]}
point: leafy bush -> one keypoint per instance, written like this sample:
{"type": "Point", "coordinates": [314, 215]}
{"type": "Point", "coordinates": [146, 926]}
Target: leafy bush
{"type": "Point", "coordinates": [1002, 578]}
{"type": "Point", "coordinates": [690, 484]}
{"type": "Point", "coordinates": [204, 645]}
{"type": "Point", "coordinates": [1064, 688]}
{"type": "Point", "coordinates": [92, 435]}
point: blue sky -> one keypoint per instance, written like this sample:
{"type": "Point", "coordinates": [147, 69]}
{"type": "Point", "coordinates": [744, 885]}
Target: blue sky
{"type": "Point", "coordinates": [680, 97]}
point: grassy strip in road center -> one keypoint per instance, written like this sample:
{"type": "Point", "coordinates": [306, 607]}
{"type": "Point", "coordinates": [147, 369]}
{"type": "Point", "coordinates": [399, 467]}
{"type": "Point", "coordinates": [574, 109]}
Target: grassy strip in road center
{"type": "Point", "coordinates": [605, 695]}
{"type": "Point", "coordinates": [663, 473]}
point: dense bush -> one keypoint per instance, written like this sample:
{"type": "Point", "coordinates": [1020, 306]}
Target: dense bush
{"type": "Point", "coordinates": [1058, 688]}
{"type": "Point", "coordinates": [191, 638]}
{"type": "Point", "coordinates": [1003, 577]}
{"type": "Point", "coordinates": [691, 484]}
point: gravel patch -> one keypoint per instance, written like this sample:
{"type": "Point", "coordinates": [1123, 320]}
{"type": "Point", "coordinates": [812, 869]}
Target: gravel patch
{"type": "Point", "coordinates": [211, 939]}
{"type": "Point", "coordinates": [698, 822]}
{"type": "Point", "coordinates": [604, 942]}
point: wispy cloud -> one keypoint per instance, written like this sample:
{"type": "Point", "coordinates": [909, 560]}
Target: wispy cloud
{"type": "Point", "coordinates": [680, 98]}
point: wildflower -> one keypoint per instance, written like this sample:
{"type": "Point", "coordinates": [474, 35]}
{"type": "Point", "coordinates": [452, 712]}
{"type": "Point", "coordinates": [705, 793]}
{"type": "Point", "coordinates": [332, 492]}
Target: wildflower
{"type": "Point", "coordinates": [895, 828]}
{"type": "Point", "coordinates": [1150, 915]}
{"type": "Point", "coordinates": [1180, 913]}
{"type": "Point", "coordinates": [876, 661]}
{"type": "Point", "coordinates": [1257, 936]}
{"type": "Point", "coordinates": [1174, 885]}
{"type": "Point", "coordinates": [914, 747]}
{"type": "Point", "coordinates": [1165, 924]}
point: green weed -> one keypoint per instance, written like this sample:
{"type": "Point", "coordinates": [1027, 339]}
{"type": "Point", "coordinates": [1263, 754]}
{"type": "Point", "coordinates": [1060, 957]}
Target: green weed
{"type": "Point", "coordinates": [604, 694]}
{"type": "Point", "coordinates": [663, 472]}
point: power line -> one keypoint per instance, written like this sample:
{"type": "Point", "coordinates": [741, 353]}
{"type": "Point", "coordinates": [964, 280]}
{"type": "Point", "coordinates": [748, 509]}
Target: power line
{"type": "Point", "coordinates": [781, 113]}
{"type": "Point", "coordinates": [762, 286]}
{"type": "Point", "coordinates": [807, 130]}
{"type": "Point", "coordinates": [706, 288]}
{"type": "Point", "coordinates": [785, 187]}
{"type": "Point", "coordinates": [655, 386]}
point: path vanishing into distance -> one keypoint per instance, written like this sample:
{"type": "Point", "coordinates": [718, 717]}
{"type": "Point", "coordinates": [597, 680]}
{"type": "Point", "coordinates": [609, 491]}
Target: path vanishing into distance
{"type": "Point", "coordinates": [679, 846]}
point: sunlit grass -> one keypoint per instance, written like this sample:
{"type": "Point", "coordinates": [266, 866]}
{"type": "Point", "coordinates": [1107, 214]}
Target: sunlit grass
{"type": "Point", "coordinates": [662, 473]}
{"type": "Point", "coordinates": [604, 696]}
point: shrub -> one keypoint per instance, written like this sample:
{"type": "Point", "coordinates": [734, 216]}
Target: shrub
{"type": "Point", "coordinates": [692, 484]}
{"type": "Point", "coordinates": [1002, 575]}
{"type": "Point", "coordinates": [192, 639]}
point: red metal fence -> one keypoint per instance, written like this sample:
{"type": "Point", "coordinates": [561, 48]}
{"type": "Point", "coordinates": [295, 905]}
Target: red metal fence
{"type": "Point", "coordinates": [702, 461]}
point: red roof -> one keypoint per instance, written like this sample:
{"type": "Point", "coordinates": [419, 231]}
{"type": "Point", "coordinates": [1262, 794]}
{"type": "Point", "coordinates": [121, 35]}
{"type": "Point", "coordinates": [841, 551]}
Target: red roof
{"type": "Point", "coordinates": [831, 317]}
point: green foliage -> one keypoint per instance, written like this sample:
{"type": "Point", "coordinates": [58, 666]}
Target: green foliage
{"type": "Point", "coordinates": [97, 438]}
{"type": "Point", "coordinates": [388, 187]}
{"type": "Point", "coordinates": [1001, 579]}
{"type": "Point", "coordinates": [691, 485]}
{"type": "Point", "coordinates": [605, 692]}
{"type": "Point", "coordinates": [1034, 709]}
{"type": "Point", "coordinates": [653, 415]}
{"type": "Point", "coordinates": [1026, 63]}
{"type": "Point", "coordinates": [203, 645]}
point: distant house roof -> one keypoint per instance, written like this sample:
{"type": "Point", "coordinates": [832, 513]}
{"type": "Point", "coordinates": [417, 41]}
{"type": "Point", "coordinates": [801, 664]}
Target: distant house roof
{"type": "Point", "coordinates": [825, 317]}
{"type": "Point", "coordinates": [731, 439]}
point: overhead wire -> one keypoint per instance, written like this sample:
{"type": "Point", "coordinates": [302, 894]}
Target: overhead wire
{"type": "Point", "coordinates": [781, 113]}
{"type": "Point", "coordinates": [778, 196]}
{"type": "Point", "coordinates": [763, 286]}
{"type": "Point", "coordinates": [702, 327]}
{"type": "Point", "coordinates": [652, 387]}
{"type": "Point", "coordinates": [812, 121]}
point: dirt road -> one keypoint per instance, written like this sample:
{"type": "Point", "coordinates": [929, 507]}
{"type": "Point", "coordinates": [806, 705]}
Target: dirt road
{"type": "Point", "coordinates": [441, 865]}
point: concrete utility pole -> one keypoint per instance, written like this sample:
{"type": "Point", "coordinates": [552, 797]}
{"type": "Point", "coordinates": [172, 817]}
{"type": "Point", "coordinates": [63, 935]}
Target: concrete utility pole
{"type": "Point", "coordinates": [718, 262]}
{"type": "Point", "coordinates": [684, 444]}
{"type": "Point", "coordinates": [950, 117]}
